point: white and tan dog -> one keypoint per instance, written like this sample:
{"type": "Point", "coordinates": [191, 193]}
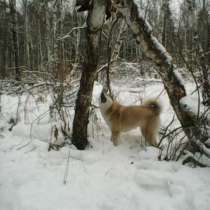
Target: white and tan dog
{"type": "Point", "coordinates": [124, 118]}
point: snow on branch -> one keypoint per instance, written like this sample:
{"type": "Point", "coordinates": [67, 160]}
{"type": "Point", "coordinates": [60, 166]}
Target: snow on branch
{"type": "Point", "coordinates": [179, 76]}
{"type": "Point", "coordinates": [190, 105]}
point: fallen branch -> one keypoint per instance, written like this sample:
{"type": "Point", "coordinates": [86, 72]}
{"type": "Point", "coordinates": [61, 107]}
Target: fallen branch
{"type": "Point", "coordinates": [191, 159]}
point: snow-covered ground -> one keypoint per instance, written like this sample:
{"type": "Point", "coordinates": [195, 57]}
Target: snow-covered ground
{"type": "Point", "coordinates": [103, 177]}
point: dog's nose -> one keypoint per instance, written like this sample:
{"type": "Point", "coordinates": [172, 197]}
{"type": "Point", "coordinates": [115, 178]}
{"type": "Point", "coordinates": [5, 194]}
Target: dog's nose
{"type": "Point", "coordinates": [103, 97]}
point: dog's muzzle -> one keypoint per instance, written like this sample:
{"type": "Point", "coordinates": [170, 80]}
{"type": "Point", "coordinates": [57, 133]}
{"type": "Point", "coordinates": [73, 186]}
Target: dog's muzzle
{"type": "Point", "coordinates": [103, 97]}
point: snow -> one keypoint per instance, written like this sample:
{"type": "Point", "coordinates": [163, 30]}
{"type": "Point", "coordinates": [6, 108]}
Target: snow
{"type": "Point", "coordinates": [99, 178]}
{"type": "Point", "coordinates": [32, 179]}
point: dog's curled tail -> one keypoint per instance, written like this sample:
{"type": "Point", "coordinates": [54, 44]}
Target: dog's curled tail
{"type": "Point", "coordinates": [154, 105]}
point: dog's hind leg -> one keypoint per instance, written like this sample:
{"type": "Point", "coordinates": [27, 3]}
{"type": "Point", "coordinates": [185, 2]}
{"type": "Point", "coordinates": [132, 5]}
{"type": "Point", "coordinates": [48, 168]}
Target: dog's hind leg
{"type": "Point", "coordinates": [142, 139]}
{"type": "Point", "coordinates": [115, 136]}
{"type": "Point", "coordinates": [150, 134]}
{"type": "Point", "coordinates": [153, 128]}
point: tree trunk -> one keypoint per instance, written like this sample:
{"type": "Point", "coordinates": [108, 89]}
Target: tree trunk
{"type": "Point", "coordinates": [208, 9]}
{"type": "Point", "coordinates": [26, 34]}
{"type": "Point", "coordinates": [155, 51]}
{"type": "Point", "coordinates": [4, 43]}
{"type": "Point", "coordinates": [48, 37]}
{"type": "Point", "coordinates": [164, 25]}
{"type": "Point", "coordinates": [13, 14]}
{"type": "Point", "coordinates": [119, 40]}
{"type": "Point", "coordinates": [207, 79]}
{"type": "Point", "coordinates": [204, 50]}
{"type": "Point", "coordinates": [95, 22]}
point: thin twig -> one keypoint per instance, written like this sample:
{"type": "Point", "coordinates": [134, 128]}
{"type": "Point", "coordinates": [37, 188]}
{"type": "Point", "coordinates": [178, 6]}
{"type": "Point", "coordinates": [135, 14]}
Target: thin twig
{"type": "Point", "coordinates": [66, 173]}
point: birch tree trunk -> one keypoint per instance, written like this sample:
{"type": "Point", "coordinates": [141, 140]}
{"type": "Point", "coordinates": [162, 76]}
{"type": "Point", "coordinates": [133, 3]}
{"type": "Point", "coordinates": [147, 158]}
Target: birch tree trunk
{"type": "Point", "coordinates": [95, 20]}
{"type": "Point", "coordinates": [155, 51]}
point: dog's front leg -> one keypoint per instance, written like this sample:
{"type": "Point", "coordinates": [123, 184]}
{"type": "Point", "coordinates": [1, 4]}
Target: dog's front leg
{"type": "Point", "coordinates": [114, 138]}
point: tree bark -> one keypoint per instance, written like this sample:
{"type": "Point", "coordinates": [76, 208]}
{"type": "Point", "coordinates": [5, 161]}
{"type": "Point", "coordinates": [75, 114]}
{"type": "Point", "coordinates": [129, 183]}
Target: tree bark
{"type": "Point", "coordinates": [13, 14]}
{"type": "Point", "coordinates": [208, 9]}
{"type": "Point", "coordinates": [206, 62]}
{"type": "Point", "coordinates": [26, 34]}
{"type": "Point", "coordinates": [95, 20]}
{"type": "Point", "coordinates": [4, 38]}
{"type": "Point", "coordinates": [119, 41]}
{"type": "Point", "coordinates": [158, 54]}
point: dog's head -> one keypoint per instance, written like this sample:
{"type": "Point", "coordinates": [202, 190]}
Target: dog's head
{"type": "Point", "coordinates": [105, 100]}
